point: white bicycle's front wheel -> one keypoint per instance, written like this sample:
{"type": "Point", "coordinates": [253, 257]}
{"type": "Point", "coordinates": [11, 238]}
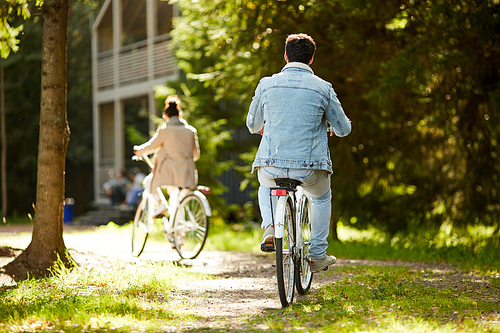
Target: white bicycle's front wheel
{"type": "Point", "coordinates": [140, 229]}
{"type": "Point", "coordinates": [303, 274]}
{"type": "Point", "coordinates": [190, 227]}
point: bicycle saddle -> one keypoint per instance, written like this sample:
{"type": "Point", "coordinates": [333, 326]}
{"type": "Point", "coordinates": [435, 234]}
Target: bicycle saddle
{"type": "Point", "coordinates": [287, 182]}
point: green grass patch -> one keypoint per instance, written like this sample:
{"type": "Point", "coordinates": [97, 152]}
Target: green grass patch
{"type": "Point", "coordinates": [221, 236]}
{"type": "Point", "coordinates": [74, 301]}
{"type": "Point", "coordinates": [234, 237]}
{"type": "Point", "coordinates": [471, 248]}
{"type": "Point", "coordinates": [389, 299]}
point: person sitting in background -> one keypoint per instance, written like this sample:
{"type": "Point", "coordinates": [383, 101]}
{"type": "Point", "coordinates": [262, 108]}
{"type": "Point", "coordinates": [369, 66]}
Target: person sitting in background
{"type": "Point", "coordinates": [134, 193]}
{"type": "Point", "coordinates": [116, 187]}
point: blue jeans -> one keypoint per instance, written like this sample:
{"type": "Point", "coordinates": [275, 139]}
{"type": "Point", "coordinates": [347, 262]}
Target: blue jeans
{"type": "Point", "coordinates": [317, 184]}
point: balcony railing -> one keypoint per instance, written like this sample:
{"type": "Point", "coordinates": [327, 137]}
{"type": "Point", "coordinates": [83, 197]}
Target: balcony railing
{"type": "Point", "coordinates": [135, 63]}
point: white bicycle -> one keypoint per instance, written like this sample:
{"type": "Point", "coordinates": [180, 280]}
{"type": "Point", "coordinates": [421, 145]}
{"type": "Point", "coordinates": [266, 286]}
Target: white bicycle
{"type": "Point", "coordinates": [185, 225]}
{"type": "Point", "coordinates": [292, 233]}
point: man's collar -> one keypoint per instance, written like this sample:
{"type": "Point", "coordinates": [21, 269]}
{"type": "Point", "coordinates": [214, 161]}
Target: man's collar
{"type": "Point", "coordinates": [297, 65]}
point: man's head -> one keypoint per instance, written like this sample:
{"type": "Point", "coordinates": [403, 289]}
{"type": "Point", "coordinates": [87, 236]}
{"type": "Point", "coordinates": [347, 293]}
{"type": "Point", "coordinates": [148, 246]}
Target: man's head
{"type": "Point", "coordinates": [300, 48]}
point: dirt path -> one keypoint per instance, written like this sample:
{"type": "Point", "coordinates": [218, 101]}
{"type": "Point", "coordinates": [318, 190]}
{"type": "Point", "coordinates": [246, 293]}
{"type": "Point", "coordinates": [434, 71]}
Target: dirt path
{"type": "Point", "coordinates": [242, 285]}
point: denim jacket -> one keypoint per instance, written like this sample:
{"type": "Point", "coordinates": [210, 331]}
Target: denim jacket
{"type": "Point", "coordinates": [295, 106]}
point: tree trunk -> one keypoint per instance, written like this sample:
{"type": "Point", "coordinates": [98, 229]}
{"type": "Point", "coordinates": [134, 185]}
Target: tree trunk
{"type": "Point", "coordinates": [4, 145]}
{"type": "Point", "coordinates": [47, 243]}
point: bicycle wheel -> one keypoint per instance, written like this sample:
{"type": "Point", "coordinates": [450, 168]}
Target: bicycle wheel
{"type": "Point", "coordinates": [140, 229]}
{"type": "Point", "coordinates": [190, 227]}
{"type": "Point", "coordinates": [303, 274]}
{"type": "Point", "coordinates": [284, 257]}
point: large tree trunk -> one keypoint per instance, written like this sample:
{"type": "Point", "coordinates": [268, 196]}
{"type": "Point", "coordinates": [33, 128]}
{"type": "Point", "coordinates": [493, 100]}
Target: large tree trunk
{"type": "Point", "coordinates": [47, 242]}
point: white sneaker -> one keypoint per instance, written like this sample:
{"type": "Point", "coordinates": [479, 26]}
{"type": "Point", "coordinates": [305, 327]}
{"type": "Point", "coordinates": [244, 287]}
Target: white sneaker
{"type": "Point", "coordinates": [318, 265]}
{"type": "Point", "coordinates": [160, 211]}
{"type": "Point", "coordinates": [267, 241]}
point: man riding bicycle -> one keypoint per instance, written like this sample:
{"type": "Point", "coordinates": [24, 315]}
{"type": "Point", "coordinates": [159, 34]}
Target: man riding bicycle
{"type": "Point", "coordinates": [292, 110]}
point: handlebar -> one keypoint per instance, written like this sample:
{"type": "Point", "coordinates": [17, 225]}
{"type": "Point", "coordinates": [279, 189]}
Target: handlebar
{"type": "Point", "coordinates": [144, 158]}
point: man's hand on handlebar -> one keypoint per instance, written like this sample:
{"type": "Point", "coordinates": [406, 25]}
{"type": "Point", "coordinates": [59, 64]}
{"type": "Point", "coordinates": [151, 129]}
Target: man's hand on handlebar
{"type": "Point", "coordinates": [261, 132]}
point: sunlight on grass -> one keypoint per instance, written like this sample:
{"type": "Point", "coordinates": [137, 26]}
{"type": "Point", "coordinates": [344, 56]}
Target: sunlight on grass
{"type": "Point", "coordinates": [136, 298]}
{"type": "Point", "coordinates": [17, 241]}
{"type": "Point", "coordinates": [389, 299]}
{"type": "Point", "coordinates": [471, 247]}
{"type": "Point", "coordinates": [472, 234]}
{"type": "Point", "coordinates": [349, 234]}
{"type": "Point", "coordinates": [234, 237]}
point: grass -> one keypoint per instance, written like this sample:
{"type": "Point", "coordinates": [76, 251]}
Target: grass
{"type": "Point", "coordinates": [389, 299]}
{"type": "Point", "coordinates": [74, 301]}
{"type": "Point", "coordinates": [471, 248]}
{"type": "Point", "coordinates": [222, 237]}
{"type": "Point", "coordinates": [461, 298]}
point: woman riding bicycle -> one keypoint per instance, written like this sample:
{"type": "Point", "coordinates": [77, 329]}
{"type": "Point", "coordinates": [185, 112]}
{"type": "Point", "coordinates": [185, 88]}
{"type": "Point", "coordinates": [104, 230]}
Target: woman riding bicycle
{"type": "Point", "coordinates": [176, 148]}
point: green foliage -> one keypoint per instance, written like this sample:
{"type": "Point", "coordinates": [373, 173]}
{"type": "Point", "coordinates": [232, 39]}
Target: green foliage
{"type": "Point", "coordinates": [419, 81]}
{"type": "Point", "coordinates": [22, 101]}
{"type": "Point", "coordinates": [213, 132]}
{"type": "Point", "coordinates": [9, 11]}
{"type": "Point", "coordinates": [435, 97]}
{"type": "Point", "coordinates": [79, 157]}
{"type": "Point", "coordinates": [22, 104]}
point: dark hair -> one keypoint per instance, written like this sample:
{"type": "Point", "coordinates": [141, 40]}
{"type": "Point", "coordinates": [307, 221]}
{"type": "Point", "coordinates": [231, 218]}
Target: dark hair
{"type": "Point", "coordinates": [300, 48]}
{"type": "Point", "coordinates": [171, 109]}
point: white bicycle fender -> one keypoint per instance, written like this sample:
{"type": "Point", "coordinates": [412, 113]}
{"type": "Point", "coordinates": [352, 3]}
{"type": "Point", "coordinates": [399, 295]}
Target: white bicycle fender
{"type": "Point", "coordinates": [204, 202]}
{"type": "Point", "coordinates": [279, 224]}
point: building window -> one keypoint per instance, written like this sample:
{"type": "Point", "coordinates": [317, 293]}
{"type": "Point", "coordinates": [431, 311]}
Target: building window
{"type": "Point", "coordinates": [133, 21]}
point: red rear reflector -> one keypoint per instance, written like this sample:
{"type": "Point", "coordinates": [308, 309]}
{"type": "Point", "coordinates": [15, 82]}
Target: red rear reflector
{"type": "Point", "coordinates": [278, 193]}
{"type": "Point", "coordinates": [204, 189]}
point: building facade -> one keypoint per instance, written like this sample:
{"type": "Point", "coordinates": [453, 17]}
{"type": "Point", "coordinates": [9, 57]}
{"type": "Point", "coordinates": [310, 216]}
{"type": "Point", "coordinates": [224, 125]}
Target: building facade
{"type": "Point", "coordinates": [130, 55]}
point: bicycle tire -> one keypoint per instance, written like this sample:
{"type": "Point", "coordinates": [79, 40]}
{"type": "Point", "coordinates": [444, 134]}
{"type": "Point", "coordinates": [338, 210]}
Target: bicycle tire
{"type": "Point", "coordinates": [284, 258]}
{"type": "Point", "coordinates": [303, 274]}
{"type": "Point", "coordinates": [190, 227]}
{"type": "Point", "coordinates": [140, 231]}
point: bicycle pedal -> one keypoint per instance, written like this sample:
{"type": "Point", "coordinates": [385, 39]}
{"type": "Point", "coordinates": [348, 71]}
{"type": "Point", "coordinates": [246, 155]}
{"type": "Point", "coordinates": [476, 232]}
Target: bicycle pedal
{"type": "Point", "coordinates": [267, 247]}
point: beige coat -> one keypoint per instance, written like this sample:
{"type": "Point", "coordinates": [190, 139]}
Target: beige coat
{"type": "Point", "coordinates": [176, 148]}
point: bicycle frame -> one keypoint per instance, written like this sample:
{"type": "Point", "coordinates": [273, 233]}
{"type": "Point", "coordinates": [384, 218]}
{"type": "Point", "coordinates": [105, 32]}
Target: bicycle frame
{"type": "Point", "coordinates": [279, 224]}
{"type": "Point", "coordinates": [171, 205]}
{"type": "Point", "coordinates": [185, 226]}
{"type": "Point", "coordinates": [299, 242]}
